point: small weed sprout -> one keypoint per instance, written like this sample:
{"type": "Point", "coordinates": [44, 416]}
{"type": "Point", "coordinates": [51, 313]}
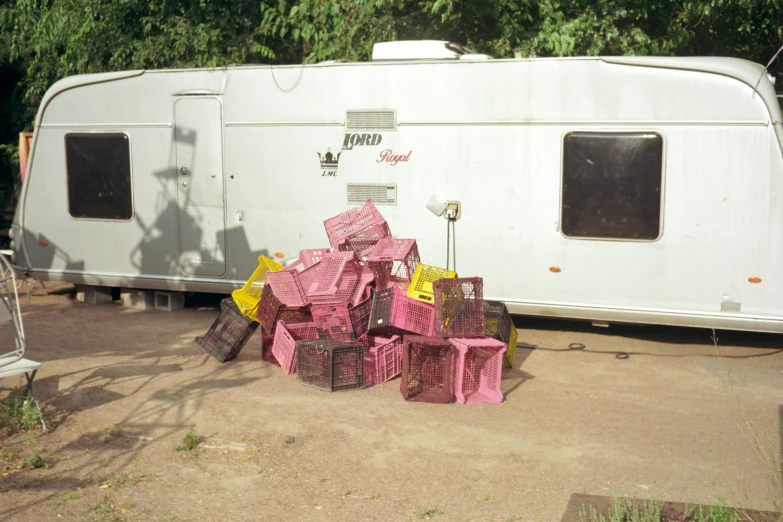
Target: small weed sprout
{"type": "Point", "coordinates": [36, 460]}
{"type": "Point", "coordinates": [112, 433]}
{"type": "Point", "coordinates": [18, 412]}
{"type": "Point", "coordinates": [189, 441]}
{"type": "Point", "coordinates": [427, 514]}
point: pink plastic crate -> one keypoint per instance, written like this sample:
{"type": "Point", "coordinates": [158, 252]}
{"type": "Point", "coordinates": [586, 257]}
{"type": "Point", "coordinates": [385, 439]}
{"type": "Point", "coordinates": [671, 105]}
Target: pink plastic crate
{"type": "Point", "coordinates": [351, 286]}
{"type": "Point", "coordinates": [477, 370]}
{"type": "Point", "coordinates": [306, 259]}
{"type": "Point", "coordinates": [382, 358]}
{"type": "Point", "coordinates": [333, 322]}
{"type": "Point", "coordinates": [287, 287]}
{"type": "Point", "coordinates": [323, 278]}
{"type": "Point", "coordinates": [284, 345]}
{"type": "Point", "coordinates": [393, 261]}
{"type": "Point", "coordinates": [364, 240]}
{"type": "Point", "coordinates": [394, 313]}
{"type": "Point", "coordinates": [347, 224]}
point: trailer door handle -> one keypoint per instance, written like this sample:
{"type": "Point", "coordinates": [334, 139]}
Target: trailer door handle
{"type": "Point", "coordinates": [184, 171]}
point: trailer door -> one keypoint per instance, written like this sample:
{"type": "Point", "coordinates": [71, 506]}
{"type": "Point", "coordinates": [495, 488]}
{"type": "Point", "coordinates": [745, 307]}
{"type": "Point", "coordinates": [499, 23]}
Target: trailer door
{"type": "Point", "coordinates": [198, 135]}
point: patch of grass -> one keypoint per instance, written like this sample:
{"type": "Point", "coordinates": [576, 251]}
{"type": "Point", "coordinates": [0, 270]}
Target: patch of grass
{"type": "Point", "coordinates": [36, 460]}
{"type": "Point", "coordinates": [67, 497]}
{"type": "Point", "coordinates": [626, 510]}
{"type": "Point", "coordinates": [105, 511]}
{"type": "Point", "coordinates": [719, 513]}
{"type": "Point", "coordinates": [189, 441]}
{"type": "Point", "coordinates": [118, 480]}
{"type": "Point", "coordinates": [428, 513]}
{"type": "Point", "coordinates": [113, 432]}
{"type": "Point", "coordinates": [18, 412]}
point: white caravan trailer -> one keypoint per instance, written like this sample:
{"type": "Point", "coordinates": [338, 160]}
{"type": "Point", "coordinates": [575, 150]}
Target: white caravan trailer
{"type": "Point", "coordinates": [623, 189]}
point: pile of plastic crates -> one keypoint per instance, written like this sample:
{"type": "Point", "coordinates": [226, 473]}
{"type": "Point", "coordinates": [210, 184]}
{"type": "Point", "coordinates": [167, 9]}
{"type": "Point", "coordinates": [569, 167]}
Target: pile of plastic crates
{"type": "Point", "coordinates": [366, 310]}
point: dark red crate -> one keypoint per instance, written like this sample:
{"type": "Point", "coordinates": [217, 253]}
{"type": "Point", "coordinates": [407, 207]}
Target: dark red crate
{"type": "Point", "coordinates": [459, 307]}
{"type": "Point", "coordinates": [271, 310]}
{"type": "Point", "coordinates": [229, 333]}
{"type": "Point", "coordinates": [334, 322]}
{"type": "Point", "coordinates": [330, 365]}
{"type": "Point", "coordinates": [427, 369]}
{"type": "Point", "coordinates": [393, 262]}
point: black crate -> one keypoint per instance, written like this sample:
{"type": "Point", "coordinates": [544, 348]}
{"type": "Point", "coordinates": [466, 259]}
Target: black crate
{"type": "Point", "coordinates": [330, 365]}
{"type": "Point", "coordinates": [497, 321]}
{"type": "Point", "coordinates": [427, 369]}
{"type": "Point", "coordinates": [229, 333]}
{"type": "Point", "coordinates": [381, 314]}
{"type": "Point", "coordinates": [360, 317]}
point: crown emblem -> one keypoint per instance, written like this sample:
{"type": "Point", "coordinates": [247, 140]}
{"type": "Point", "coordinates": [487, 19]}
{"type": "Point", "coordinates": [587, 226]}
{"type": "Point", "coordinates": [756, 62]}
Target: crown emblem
{"type": "Point", "coordinates": [329, 160]}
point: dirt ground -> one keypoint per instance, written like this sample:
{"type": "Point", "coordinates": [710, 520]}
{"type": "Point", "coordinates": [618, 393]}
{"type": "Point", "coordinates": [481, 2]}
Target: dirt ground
{"type": "Point", "coordinates": [672, 417]}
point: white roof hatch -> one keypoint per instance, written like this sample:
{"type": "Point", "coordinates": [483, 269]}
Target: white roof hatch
{"type": "Point", "coordinates": [423, 50]}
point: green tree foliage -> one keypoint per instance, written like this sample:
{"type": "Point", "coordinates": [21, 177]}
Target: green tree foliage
{"type": "Point", "coordinates": [42, 41]}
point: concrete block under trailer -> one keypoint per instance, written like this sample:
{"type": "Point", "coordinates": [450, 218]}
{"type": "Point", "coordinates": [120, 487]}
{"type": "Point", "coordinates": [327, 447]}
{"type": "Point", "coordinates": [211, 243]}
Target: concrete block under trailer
{"type": "Point", "coordinates": [629, 189]}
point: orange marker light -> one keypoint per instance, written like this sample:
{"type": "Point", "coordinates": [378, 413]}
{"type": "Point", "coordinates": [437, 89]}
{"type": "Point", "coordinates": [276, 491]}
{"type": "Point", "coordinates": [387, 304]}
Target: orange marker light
{"type": "Point", "coordinates": [279, 255]}
{"type": "Point", "coordinates": [554, 269]}
{"type": "Point", "coordinates": [43, 243]}
{"type": "Point", "coordinates": [754, 280]}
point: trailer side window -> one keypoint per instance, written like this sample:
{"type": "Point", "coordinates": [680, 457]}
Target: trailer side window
{"type": "Point", "coordinates": [99, 181]}
{"type": "Point", "coordinates": [612, 185]}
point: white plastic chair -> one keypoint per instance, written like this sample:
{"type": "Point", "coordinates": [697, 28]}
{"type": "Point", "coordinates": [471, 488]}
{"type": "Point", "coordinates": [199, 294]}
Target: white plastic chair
{"type": "Point", "coordinates": [13, 362]}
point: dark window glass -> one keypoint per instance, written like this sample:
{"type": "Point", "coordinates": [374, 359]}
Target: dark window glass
{"type": "Point", "coordinates": [99, 184]}
{"type": "Point", "coordinates": [612, 185]}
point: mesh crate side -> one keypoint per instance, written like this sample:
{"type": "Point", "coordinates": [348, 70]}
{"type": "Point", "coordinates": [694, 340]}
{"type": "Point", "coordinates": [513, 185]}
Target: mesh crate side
{"type": "Point", "coordinates": [426, 369]}
{"type": "Point", "coordinates": [327, 274]}
{"type": "Point", "coordinates": [268, 308]}
{"type": "Point", "coordinates": [421, 284]}
{"type": "Point", "coordinates": [334, 322]}
{"type": "Point", "coordinates": [343, 225]}
{"type": "Point", "coordinates": [284, 345]}
{"type": "Point", "coordinates": [330, 365]}
{"type": "Point", "coordinates": [365, 239]}
{"type": "Point", "coordinates": [295, 314]}
{"type": "Point", "coordinates": [478, 370]}
{"type": "Point", "coordinates": [388, 359]}
{"type": "Point", "coordinates": [412, 316]}
{"type": "Point", "coordinates": [287, 288]}
{"type": "Point", "coordinates": [348, 367]}
{"type": "Point", "coordinates": [459, 307]}
{"type": "Point", "coordinates": [229, 333]}
{"type": "Point", "coordinates": [360, 317]}
{"type": "Point", "coordinates": [511, 351]}
{"type": "Point", "coordinates": [497, 321]}
{"type": "Point", "coordinates": [381, 310]}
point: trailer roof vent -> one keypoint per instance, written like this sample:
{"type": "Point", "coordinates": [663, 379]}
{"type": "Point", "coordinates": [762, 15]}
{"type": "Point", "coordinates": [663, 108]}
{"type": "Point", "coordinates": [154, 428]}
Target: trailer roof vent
{"type": "Point", "coordinates": [379, 193]}
{"type": "Point", "coordinates": [372, 119]}
{"type": "Point", "coordinates": [423, 50]}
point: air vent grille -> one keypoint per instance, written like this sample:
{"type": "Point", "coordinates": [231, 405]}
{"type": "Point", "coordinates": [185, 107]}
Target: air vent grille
{"type": "Point", "coordinates": [380, 194]}
{"type": "Point", "coordinates": [381, 119]}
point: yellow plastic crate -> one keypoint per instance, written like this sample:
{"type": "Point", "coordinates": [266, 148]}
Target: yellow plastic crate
{"type": "Point", "coordinates": [421, 284]}
{"type": "Point", "coordinates": [248, 296]}
{"type": "Point", "coordinates": [511, 350]}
